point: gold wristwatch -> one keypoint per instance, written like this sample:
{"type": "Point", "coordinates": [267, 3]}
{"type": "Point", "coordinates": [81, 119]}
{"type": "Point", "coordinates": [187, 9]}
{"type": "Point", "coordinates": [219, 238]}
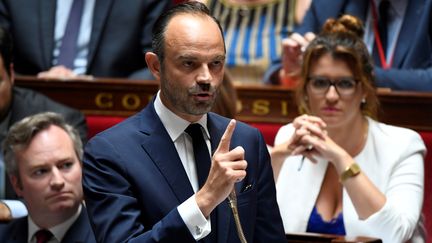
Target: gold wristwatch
{"type": "Point", "coordinates": [350, 171]}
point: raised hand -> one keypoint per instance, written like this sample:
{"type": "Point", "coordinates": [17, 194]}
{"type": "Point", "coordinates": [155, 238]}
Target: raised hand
{"type": "Point", "coordinates": [228, 167]}
{"type": "Point", "coordinates": [292, 49]}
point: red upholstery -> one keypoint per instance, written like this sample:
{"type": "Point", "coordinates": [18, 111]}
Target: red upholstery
{"type": "Point", "coordinates": [97, 124]}
{"type": "Point", "coordinates": [268, 130]}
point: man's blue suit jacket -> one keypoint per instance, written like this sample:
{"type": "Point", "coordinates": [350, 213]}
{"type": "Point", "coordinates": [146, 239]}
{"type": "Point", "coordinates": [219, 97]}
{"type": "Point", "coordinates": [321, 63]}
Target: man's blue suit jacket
{"type": "Point", "coordinates": [412, 61]}
{"type": "Point", "coordinates": [80, 231]}
{"type": "Point", "coordinates": [134, 181]}
{"type": "Point", "coordinates": [120, 35]}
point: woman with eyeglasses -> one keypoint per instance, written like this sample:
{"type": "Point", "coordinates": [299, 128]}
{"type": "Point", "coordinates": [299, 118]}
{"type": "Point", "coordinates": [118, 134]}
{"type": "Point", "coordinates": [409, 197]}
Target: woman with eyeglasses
{"type": "Point", "coordinates": [337, 169]}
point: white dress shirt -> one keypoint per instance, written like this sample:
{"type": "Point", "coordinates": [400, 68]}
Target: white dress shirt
{"type": "Point", "coordinates": [189, 211]}
{"type": "Point", "coordinates": [58, 231]}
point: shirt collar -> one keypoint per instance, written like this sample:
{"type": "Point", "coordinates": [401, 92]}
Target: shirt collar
{"type": "Point", "coordinates": [58, 231]}
{"type": "Point", "coordinates": [174, 124]}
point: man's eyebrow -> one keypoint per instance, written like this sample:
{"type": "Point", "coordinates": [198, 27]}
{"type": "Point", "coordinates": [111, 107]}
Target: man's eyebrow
{"type": "Point", "coordinates": [193, 58]}
{"type": "Point", "coordinates": [188, 57]}
{"type": "Point", "coordinates": [220, 57]}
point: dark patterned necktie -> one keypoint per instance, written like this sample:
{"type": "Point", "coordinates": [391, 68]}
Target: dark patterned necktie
{"type": "Point", "coordinates": [43, 236]}
{"type": "Point", "coordinates": [383, 10]}
{"type": "Point", "coordinates": [202, 163]}
{"type": "Point", "coordinates": [68, 48]}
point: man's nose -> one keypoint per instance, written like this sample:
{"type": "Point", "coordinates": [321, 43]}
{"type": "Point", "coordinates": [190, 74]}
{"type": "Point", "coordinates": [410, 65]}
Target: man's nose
{"type": "Point", "coordinates": [204, 75]}
{"type": "Point", "coordinates": [57, 179]}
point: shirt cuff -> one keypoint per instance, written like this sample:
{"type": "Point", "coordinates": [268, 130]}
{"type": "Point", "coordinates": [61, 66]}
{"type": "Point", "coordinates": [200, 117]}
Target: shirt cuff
{"type": "Point", "coordinates": [16, 207]}
{"type": "Point", "coordinates": [195, 221]}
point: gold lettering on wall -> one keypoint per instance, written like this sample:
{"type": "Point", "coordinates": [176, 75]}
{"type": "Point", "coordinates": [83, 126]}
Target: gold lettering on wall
{"type": "Point", "coordinates": [239, 106]}
{"type": "Point", "coordinates": [261, 107]}
{"type": "Point", "coordinates": [104, 100]}
{"type": "Point", "coordinates": [284, 108]}
{"type": "Point", "coordinates": [131, 101]}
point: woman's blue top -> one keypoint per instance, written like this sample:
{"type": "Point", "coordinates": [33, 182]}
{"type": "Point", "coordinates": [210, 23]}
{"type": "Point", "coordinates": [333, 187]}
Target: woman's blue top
{"type": "Point", "coordinates": [316, 224]}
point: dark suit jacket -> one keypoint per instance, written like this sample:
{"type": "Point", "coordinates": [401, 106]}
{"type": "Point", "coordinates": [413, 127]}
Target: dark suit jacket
{"type": "Point", "coordinates": [121, 34]}
{"type": "Point", "coordinates": [412, 61]}
{"type": "Point", "coordinates": [134, 181]}
{"type": "Point", "coordinates": [16, 231]}
{"type": "Point", "coordinates": [26, 102]}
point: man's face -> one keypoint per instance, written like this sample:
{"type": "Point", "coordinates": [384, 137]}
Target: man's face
{"type": "Point", "coordinates": [6, 83]}
{"type": "Point", "coordinates": [50, 176]}
{"type": "Point", "coordinates": [193, 66]}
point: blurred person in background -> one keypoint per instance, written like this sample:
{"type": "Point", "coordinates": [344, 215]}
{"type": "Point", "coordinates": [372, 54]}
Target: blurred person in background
{"type": "Point", "coordinates": [398, 35]}
{"type": "Point", "coordinates": [254, 30]}
{"type": "Point", "coordinates": [70, 38]}
{"type": "Point", "coordinates": [338, 170]}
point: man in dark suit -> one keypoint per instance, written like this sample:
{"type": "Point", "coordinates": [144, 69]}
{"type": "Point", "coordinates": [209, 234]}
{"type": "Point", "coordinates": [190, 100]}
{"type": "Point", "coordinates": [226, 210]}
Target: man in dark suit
{"type": "Point", "coordinates": [145, 180]}
{"type": "Point", "coordinates": [17, 103]}
{"type": "Point", "coordinates": [113, 36]}
{"type": "Point", "coordinates": [406, 61]}
{"type": "Point", "coordinates": [43, 158]}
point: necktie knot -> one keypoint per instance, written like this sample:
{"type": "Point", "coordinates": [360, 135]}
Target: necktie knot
{"type": "Point", "coordinates": [194, 130]}
{"type": "Point", "coordinates": [43, 236]}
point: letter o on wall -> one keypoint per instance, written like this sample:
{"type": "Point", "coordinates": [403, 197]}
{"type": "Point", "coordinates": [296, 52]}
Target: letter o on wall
{"type": "Point", "coordinates": [131, 101]}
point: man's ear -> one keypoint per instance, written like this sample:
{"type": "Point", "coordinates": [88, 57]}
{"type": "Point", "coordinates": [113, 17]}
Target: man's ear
{"type": "Point", "coordinates": [16, 184]}
{"type": "Point", "coordinates": [153, 64]}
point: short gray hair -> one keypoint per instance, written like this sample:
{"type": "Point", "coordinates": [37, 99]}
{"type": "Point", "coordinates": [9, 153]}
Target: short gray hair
{"type": "Point", "coordinates": [22, 133]}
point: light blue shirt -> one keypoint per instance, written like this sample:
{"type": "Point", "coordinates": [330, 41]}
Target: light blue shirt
{"type": "Point", "coordinates": [16, 207]}
{"type": "Point", "coordinates": [396, 16]}
{"type": "Point", "coordinates": [62, 15]}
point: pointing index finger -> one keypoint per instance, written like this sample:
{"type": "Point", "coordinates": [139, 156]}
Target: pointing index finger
{"type": "Point", "coordinates": [225, 141]}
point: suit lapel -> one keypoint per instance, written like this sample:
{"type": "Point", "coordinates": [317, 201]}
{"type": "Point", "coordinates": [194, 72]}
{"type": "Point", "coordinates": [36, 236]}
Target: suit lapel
{"type": "Point", "coordinates": [80, 231]}
{"type": "Point", "coordinates": [18, 231]}
{"type": "Point", "coordinates": [47, 10]}
{"type": "Point", "coordinates": [163, 153]}
{"type": "Point", "coordinates": [408, 31]}
{"type": "Point", "coordinates": [100, 14]}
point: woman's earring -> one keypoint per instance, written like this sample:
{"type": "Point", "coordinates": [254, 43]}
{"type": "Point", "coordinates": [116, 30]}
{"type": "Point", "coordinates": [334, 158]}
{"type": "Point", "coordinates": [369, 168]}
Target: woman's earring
{"type": "Point", "coordinates": [363, 101]}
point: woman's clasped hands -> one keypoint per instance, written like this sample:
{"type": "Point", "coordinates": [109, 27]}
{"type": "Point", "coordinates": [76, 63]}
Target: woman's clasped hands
{"type": "Point", "coordinates": [311, 140]}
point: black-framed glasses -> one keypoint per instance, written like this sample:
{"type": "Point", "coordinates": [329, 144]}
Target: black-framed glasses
{"type": "Point", "coordinates": [344, 86]}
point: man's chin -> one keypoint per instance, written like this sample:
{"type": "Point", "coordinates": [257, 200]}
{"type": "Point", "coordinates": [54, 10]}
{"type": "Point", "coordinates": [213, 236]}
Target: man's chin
{"type": "Point", "coordinates": [201, 108]}
{"type": "Point", "coordinates": [62, 207]}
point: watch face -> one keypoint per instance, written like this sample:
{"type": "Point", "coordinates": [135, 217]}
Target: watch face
{"type": "Point", "coordinates": [351, 171]}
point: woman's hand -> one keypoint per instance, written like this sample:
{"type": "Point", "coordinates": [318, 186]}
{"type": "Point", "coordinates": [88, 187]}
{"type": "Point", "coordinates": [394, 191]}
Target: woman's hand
{"type": "Point", "coordinates": [307, 128]}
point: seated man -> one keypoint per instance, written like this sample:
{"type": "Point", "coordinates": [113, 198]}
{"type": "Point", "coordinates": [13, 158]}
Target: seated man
{"type": "Point", "coordinates": [15, 104]}
{"type": "Point", "coordinates": [65, 38]}
{"type": "Point", "coordinates": [43, 159]}
{"type": "Point", "coordinates": [397, 33]}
